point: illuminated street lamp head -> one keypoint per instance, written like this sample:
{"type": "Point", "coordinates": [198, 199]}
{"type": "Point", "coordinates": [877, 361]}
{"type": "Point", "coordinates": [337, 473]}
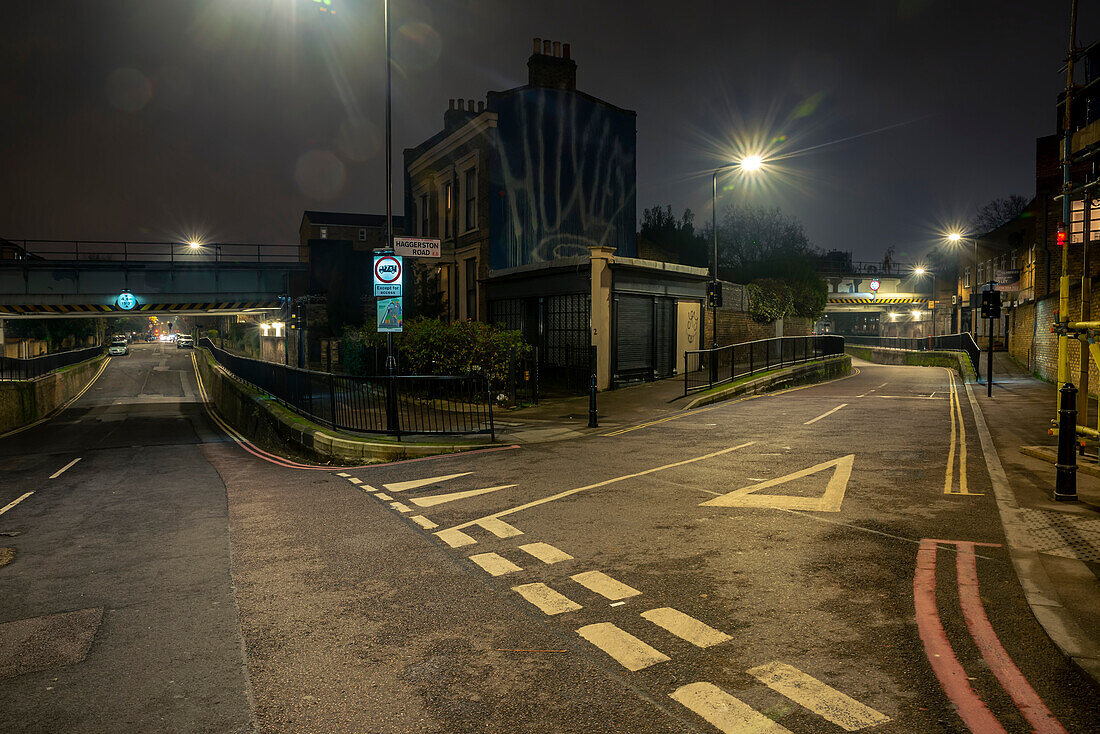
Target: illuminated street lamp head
{"type": "Point", "coordinates": [752, 163]}
{"type": "Point", "coordinates": [194, 244]}
{"type": "Point", "coordinates": [919, 271]}
{"type": "Point", "coordinates": [954, 237]}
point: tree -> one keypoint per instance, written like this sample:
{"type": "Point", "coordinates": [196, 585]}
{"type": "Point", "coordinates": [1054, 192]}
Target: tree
{"type": "Point", "coordinates": [675, 236]}
{"type": "Point", "coordinates": [997, 212]}
{"type": "Point", "coordinates": [758, 244]}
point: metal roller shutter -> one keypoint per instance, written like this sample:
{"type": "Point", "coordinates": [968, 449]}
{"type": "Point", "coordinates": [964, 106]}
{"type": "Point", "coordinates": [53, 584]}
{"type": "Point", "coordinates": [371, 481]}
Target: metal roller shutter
{"type": "Point", "coordinates": [634, 336]}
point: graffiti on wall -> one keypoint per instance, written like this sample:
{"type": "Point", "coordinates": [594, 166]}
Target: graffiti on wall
{"type": "Point", "coordinates": [564, 179]}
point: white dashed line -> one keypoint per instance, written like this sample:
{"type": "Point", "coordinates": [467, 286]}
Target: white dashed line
{"type": "Point", "coordinates": [455, 538]}
{"type": "Point", "coordinates": [604, 585]}
{"type": "Point", "coordinates": [686, 627]}
{"type": "Point", "coordinates": [546, 599]}
{"type": "Point", "coordinates": [423, 522]}
{"type": "Point", "coordinates": [625, 648]}
{"type": "Point", "coordinates": [499, 528]}
{"type": "Point", "coordinates": [726, 713]}
{"type": "Point", "coordinates": [823, 700]}
{"type": "Point", "coordinates": [494, 565]}
{"type": "Point", "coordinates": [546, 553]}
{"type": "Point", "coordinates": [63, 469]}
{"type": "Point", "coordinates": [15, 502]}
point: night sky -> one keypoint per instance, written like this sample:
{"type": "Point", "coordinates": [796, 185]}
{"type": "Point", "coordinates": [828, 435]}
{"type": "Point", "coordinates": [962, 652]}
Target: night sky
{"type": "Point", "coordinates": [889, 120]}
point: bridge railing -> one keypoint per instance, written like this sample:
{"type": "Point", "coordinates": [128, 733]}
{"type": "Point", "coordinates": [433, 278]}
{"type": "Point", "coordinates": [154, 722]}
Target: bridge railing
{"type": "Point", "coordinates": [963, 342]}
{"type": "Point", "coordinates": [396, 405]}
{"type": "Point", "coordinates": [144, 252]}
{"type": "Point", "coordinates": [705, 368]}
{"type": "Point", "coordinates": [12, 368]}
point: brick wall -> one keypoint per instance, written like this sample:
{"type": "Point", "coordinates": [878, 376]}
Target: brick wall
{"type": "Point", "coordinates": [1032, 343]}
{"type": "Point", "coordinates": [736, 326]}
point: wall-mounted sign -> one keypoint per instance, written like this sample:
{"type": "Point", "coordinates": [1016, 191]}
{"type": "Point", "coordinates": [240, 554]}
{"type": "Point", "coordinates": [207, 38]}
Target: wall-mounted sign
{"type": "Point", "coordinates": [1007, 280]}
{"type": "Point", "coordinates": [126, 301]}
{"type": "Point", "coordinates": [415, 247]}
{"type": "Point", "coordinates": [874, 285]}
{"type": "Point", "coordinates": [389, 314]}
{"type": "Point", "coordinates": [387, 275]}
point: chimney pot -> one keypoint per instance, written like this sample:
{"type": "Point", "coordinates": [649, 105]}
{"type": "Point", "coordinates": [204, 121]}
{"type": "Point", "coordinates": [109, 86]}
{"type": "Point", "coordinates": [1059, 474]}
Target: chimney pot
{"type": "Point", "coordinates": [480, 106]}
{"type": "Point", "coordinates": [557, 48]}
{"type": "Point", "coordinates": [461, 104]}
{"type": "Point", "coordinates": [546, 47]}
{"type": "Point", "coordinates": [538, 45]}
{"type": "Point", "coordinates": [565, 50]}
{"type": "Point", "coordinates": [451, 104]}
{"type": "Point", "coordinates": [470, 105]}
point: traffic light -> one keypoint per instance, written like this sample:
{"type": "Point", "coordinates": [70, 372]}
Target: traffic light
{"type": "Point", "coordinates": [292, 322]}
{"type": "Point", "coordinates": [714, 294]}
{"type": "Point", "coordinates": [991, 304]}
{"type": "Point", "coordinates": [1062, 238]}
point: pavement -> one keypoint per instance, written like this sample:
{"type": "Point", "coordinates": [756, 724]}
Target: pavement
{"type": "Point", "coordinates": [1055, 545]}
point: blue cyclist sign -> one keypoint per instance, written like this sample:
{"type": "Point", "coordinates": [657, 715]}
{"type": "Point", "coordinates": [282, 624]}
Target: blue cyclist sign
{"type": "Point", "coordinates": [126, 301]}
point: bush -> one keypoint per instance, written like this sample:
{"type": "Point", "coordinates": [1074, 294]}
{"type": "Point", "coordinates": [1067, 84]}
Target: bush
{"type": "Point", "coordinates": [769, 299]}
{"type": "Point", "coordinates": [432, 347]}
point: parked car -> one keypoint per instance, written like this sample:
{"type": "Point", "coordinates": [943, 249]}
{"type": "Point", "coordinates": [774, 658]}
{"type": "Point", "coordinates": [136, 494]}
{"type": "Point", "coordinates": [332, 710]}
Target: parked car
{"type": "Point", "coordinates": [118, 347]}
{"type": "Point", "coordinates": [184, 340]}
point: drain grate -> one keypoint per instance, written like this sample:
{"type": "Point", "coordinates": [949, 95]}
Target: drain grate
{"type": "Point", "coordinates": [1063, 534]}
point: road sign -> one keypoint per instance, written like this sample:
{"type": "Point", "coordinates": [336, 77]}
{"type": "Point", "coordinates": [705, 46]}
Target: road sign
{"type": "Point", "coordinates": [415, 247]}
{"type": "Point", "coordinates": [875, 285]}
{"type": "Point", "coordinates": [387, 275]}
{"type": "Point", "coordinates": [389, 314]}
{"type": "Point", "coordinates": [126, 301]}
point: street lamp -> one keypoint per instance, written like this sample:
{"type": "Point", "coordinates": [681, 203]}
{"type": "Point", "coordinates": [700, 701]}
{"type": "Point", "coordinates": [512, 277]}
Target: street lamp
{"type": "Point", "coordinates": [921, 272]}
{"type": "Point", "coordinates": [956, 238]}
{"type": "Point", "coordinates": [749, 164]}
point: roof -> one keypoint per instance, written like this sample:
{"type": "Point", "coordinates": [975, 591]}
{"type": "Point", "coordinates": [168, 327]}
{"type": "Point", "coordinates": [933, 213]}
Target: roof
{"type": "Point", "coordinates": [346, 219]}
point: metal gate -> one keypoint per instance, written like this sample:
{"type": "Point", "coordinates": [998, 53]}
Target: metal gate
{"type": "Point", "coordinates": [665, 341]}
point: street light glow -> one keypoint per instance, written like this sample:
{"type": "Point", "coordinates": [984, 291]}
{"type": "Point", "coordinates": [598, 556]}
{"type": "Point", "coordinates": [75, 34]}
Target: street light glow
{"type": "Point", "coordinates": [919, 271]}
{"type": "Point", "coordinates": [954, 237]}
{"type": "Point", "coordinates": [194, 244]}
{"type": "Point", "coordinates": [752, 163]}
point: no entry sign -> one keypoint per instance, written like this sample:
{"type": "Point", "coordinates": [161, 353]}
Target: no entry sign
{"type": "Point", "coordinates": [387, 275]}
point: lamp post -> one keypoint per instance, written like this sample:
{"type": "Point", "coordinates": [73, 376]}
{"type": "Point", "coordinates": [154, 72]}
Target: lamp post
{"type": "Point", "coordinates": [924, 271]}
{"type": "Point", "coordinates": [956, 238]}
{"type": "Point", "coordinates": [750, 164]}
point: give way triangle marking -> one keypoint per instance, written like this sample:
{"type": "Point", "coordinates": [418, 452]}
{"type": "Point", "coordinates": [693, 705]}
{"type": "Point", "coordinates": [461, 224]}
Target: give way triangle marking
{"type": "Point", "coordinates": [828, 502]}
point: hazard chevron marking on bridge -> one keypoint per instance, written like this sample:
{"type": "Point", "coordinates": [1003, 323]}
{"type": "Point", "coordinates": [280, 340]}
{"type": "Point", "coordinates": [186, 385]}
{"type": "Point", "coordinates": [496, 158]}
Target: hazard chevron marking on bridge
{"type": "Point", "coordinates": [828, 502]}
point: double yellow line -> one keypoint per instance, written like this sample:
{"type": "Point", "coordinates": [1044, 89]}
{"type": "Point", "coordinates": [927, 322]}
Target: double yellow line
{"type": "Point", "coordinates": [958, 435]}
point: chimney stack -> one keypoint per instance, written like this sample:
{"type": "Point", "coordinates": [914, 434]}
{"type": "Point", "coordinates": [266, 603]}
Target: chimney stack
{"type": "Point", "coordinates": [551, 65]}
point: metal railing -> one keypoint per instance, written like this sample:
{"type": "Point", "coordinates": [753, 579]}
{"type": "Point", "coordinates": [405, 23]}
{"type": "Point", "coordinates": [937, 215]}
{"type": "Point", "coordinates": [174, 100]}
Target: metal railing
{"type": "Point", "coordinates": [396, 405]}
{"type": "Point", "coordinates": [170, 252]}
{"type": "Point", "coordinates": [705, 368]}
{"type": "Point", "coordinates": [12, 368]}
{"type": "Point", "coordinates": [963, 342]}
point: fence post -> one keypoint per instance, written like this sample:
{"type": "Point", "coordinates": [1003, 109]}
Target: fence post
{"type": "Point", "coordinates": [685, 374]}
{"type": "Point", "coordinates": [331, 400]}
{"type": "Point", "coordinates": [592, 422]}
{"type": "Point", "coordinates": [489, 392]}
{"type": "Point", "coordinates": [393, 424]}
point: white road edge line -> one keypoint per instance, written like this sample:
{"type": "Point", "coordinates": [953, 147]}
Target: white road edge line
{"type": "Point", "coordinates": [63, 469]}
{"type": "Point", "coordinates": [15, 502]}
{"type": "Point", "coordinates": [825, 414]}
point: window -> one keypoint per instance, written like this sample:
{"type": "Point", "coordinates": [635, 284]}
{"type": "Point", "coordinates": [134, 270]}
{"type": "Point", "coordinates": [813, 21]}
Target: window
{"type": "Point", "coordinates": [966, 277]}
{"type": "Point", "coordinates": [448, 210]}
{"type": "Point", "coordinates": [424, 215]}
{"type": "Point", "coordinates": [324, 233]}
{"type": "Point", "coordinates": [981, 272]}
{"type": "Point", "coordinates": [471, 288]}
{"type": "Point", "coordinates": [362, 234]}
{"type": "Point", "coordinates": [471, 199]}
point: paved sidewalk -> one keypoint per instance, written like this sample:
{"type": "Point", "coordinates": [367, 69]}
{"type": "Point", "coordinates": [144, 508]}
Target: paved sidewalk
{"type": "Point", "coordinates": [1055, 545]}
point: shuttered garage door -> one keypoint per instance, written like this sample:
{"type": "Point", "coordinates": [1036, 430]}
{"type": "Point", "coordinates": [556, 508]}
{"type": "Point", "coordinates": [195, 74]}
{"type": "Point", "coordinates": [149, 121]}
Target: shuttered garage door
{"type": "Point", "coordinates": [666, 336]}
{"type": "Point", "coordinates": [633, 337]}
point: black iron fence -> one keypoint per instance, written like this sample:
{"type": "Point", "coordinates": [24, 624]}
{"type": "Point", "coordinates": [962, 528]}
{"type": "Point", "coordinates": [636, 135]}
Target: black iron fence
{"type": "Point", "coordinates": [28, 369]}
{"type": "Point", "coordinates": [704, 368]}
{"type": "Point", "coordinates": [393, 404]}
{"type": "Point", "coordinates": [963, 342]}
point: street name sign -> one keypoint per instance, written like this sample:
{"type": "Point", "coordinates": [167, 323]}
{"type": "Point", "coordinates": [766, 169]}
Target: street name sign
{"type": "Point", "coordinates": [415, 247]}
{"type": "Point", "coordinates": [387, 275]}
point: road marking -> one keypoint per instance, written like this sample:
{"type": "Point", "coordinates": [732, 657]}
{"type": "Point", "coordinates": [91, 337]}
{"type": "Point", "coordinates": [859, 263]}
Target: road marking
{"type": "Point", "coordinates": [494, 565]}
{"type": "Point", "coordinates": [625, 648]}
{"type": "Point", "coordinates": [604, 483]}
{"type": "Point", "coordinates": [343, 474]}
{"type": "Point", "coordinates": [353, 480]}
{"type": "Point", "coordinates": [15, 502]}
{"type": "Point", "coordinates": [824, 415]}
{"type": "Point", "coordinates": [383, 496]}
{"type": "Point", "coordinates": [546, 553]}
{"type": "Point", "coordinates": [604, 585]}
{"type": "Point", "coordinates": [546, 599]}
{"type": "Point", "coordinates": [830, 501]}
{"type": "Point", "coordinates": [413, 484]}
{"type": "Point", "coordinates": [993, 652]}
{"type": "Point", "coordinates": [953, 679]}
{"type": "Point", "coordinates": [724, 712]}
{"type": "Point", "coordinates": [616, 603]}
{"type": "Point", "coordinates": [499, 528]}
{"type": "Point", "coordinates": [686, 627]}
{"type": "Point", "coordinates": [400, 507]}
{"type": "Point", "coordinates": [455, 538]}
{"type": "Point", "coordinates": [63, 469]}
{"type": "Point", "coordinates": [956, 409]}
{"type": "Point", "coordinates": [825, 701]}
{"type": "Point", "coordinates": [367, 488]}
{"type": "Point", "coordinates": [423, 522]}
{"type": "Point", "coordinates": [438, 499]}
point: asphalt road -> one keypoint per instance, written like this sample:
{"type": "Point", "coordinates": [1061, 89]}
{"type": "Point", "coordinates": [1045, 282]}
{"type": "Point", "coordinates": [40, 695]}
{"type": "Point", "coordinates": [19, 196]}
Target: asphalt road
{"type": "Point", "coordinates": [771, 557]}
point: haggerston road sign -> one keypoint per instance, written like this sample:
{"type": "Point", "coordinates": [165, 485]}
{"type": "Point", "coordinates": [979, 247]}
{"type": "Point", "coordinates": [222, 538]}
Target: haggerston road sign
{"type": "Point", "coordinates": [387, 275]}
{"type": "Point", "coordinates": [415, 247]}
{"type": "Point", "coordinates": [828, 502]}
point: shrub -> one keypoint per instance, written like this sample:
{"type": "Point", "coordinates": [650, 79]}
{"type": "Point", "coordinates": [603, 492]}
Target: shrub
{"type": "Point", "coordinates": [769, 299]}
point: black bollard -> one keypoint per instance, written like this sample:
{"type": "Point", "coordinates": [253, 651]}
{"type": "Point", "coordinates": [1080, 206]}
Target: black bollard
{"type": "Point", "coordinates": [1065, 481]}
{"type": "Point", "coordinates": [592, 423]}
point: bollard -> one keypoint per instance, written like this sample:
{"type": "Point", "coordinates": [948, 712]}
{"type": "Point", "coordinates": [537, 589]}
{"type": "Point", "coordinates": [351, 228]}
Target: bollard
{"type": "Point", "coordinates": [1065, 480]}
{"type": "Point", "coordinates": [592, 423]}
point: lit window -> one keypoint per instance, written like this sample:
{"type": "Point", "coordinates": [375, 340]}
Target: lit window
{"type": "Point", "coordinates": [448, 210]}
{"type": "Point", "coordinates": [324, 233]}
